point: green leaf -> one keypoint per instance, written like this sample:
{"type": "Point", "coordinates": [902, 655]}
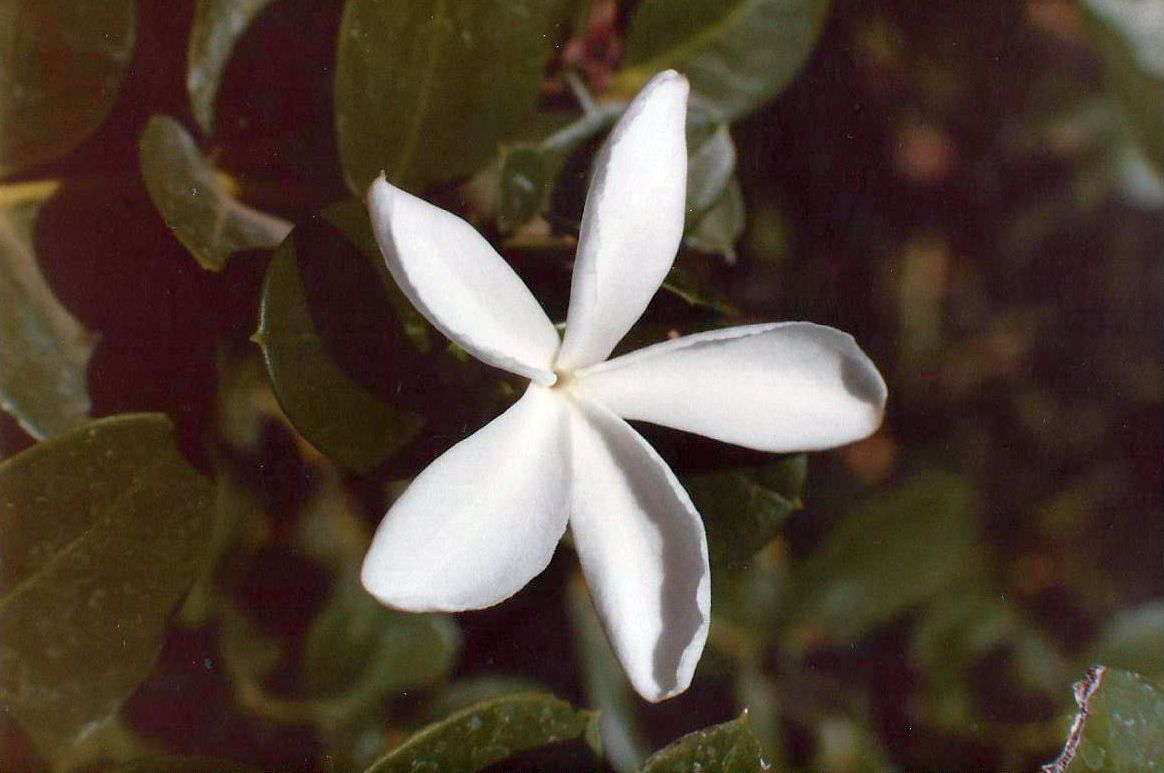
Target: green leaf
{"type": "Point", "coordinates": [730, 748]}
{"type": "Point", "coordinates": [359, 651]}
{"type": "Point", "coordinates": [1119, 727]}
{"type": "Point", "coordinates": [738, 54]}
{"type": "Point", "coordinates": [1134, 640]}
{"type": "Point", "coordinates": [721, 225]}
{"type": "Point", "coordinates": [487, 733]}
{"type": "Point", "coordinates": [218, 24]}
{"type": "Point", "coordinates": [680, 284]}
{"type": "Point", "coordinates": [103, 530]}
{"type": "Point", "coordinates": [1129, 36]}
{"type": "Point", "coordinates": [606, 685]}
{"type": "Point", "coordinates": [195, 201]}
{"type": "Point", "coordinates": [711, 166]}
{"type": "Point", "coordinates": [44, 350]}
{"type": "Point", "coordinates": [325, 320]}
{"type": "Point", "coordinates": [61, 64]}
{"type": "Point", "coordinates": [426, 90]}
{"type": "Point", "coordinates": [894, 551]}
{"type": "Point", "coordinates": [745, 509]}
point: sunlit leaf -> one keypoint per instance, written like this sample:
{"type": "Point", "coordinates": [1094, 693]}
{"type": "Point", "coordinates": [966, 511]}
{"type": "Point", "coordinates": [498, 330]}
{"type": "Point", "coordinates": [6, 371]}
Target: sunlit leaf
{"type": "Point", "coordinates": [725, 748]}
{"type": "Point", "coordinates": [325, 320]}
{"type": "Point", "coordinates": [44, 351]}
{"type": "Point", "coordinates": [488, 732]}
{"type": "Point", "coordinates": [195, 201]}
{"type": "Point", "coordinates": [61, 64]}
{"type": "Point", "coordinates": [103, 530]}
{"type": "Point", "coordinates": [218, 24]}
{"type": "Point", "coordinates": [1129, 36]}
{"type": "Point", "coordinates": [895, 550]}
{"type": "Point", "coordinates": [1119, 727]}
{"type": "Point", "coordinates": [426, 90]}
{"type": "Point", "coordinates": [744, 509]}
{"type": "Point", "coordinates": [737, 54]}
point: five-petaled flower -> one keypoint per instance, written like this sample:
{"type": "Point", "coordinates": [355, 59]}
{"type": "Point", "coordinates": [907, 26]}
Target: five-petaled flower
{"type": "Point", "coordinates": [484, 518]}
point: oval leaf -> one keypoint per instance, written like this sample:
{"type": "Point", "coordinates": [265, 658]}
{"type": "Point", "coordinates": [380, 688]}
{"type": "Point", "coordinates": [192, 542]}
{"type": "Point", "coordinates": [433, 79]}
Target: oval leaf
{"type": "Point", "coordinates": [194, 201]}
{"type": "Point", "coordinates": [487, 733]}
{"type": "Point", "coordinates": [326, 327]}
{"type": "Point", "coordinates": [426, 90]}
{"type": "Point", "coordinates": [44, 350]}
{"type": "Point", "coordinates": [727, 747]}
{"type": "Point", "coordinates": [217, 25]}
{"type": "Point", "coordinates": [61, 64]}
{"type": "Point", "coordinates": [1119, 727]}
{"type": "Point", "coordinates": [737, 54]}
{"type": "Point", "coordinates": [103, 528]}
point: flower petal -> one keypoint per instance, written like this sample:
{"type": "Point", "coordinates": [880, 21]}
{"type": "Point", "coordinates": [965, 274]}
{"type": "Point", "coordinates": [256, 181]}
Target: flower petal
{"type": "Point", "coordinates": [791, 386]}
{"type": "Point", "coordinates": [483, 519]}
{"type": "Point", "coordinates": [643, 551]}
{"type": "Point", "coordinates": [632, 222]}
{"type": "Point", "coordinates": [461, 285]}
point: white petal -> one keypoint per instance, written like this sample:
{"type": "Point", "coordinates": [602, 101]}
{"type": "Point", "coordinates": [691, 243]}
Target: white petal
{"type": "Point", "coordinates": [643, 551]}
{"type": "Point", "coordinates": [791, 386]}
{"type": "Point", "coordinates": [461, 285]}
{"type": "Point", "coordinates": [483, 519]}
{"type": "Point", "coordinates": [632, 222]}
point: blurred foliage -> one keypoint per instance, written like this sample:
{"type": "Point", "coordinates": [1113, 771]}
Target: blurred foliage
{"type": "Point", "coordinates": [972, 189]}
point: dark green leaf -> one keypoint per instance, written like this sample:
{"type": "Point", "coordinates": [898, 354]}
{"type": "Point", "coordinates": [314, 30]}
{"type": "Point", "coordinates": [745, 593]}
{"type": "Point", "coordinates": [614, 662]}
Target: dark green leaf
{"type": "Point", "coordinates": [44, 351]}
{"type": "Point", "coordinates": [218, 24]}
{"type": "Point", "coordinates": [195, 201]}
{"type": "Point", "coordinates": [1129, 36]}
{"type": "Point", "coordinates": [681, 284]}
{"type": "Point", "coordinates": [103, 530]}
{"type": "Point", "coordinates": [487, 733]}
{"type": "Point", "coordinates": [1120, 725]}
{"type": "Point", "coordinates": [737, 53]}
{"type": "Point", "coordinates": [326, 328]}
{"type": "Point", "coordinates": [607, 688]}
{"type": "Point", "coordinates": [720, 226]}
{"type": "Point", "coordinates": [359, 651]}
{"type": "Point", "coordinates": [744, 509]}
{"type": "Point", "coordinates": [61, 63]}
{"type": "Point", "coordinates": [727, 748]}
{"type": "Point", "coordinates": [425, 91]}
{"type": "Point", "coordinates": [895, 550]}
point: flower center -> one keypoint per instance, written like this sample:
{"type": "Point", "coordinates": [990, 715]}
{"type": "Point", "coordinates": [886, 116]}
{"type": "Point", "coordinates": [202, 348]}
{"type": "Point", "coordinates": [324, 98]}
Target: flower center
{"type": "Point", "coordinates": [565, 378]}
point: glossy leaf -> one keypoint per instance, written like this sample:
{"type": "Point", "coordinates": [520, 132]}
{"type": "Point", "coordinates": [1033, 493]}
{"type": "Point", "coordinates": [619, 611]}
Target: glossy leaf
{"type": "Point", "coordinates": [487, 733]}
{"type": "Point", "coordinates": [717, 749]}
{"type": "Point", "coordinates": [61, 65]}
{"type": "Point", "coordinates": [425, 91]}
{"type": "Point", "coordinates": [895, 550]}
{"type": "Point", "coordinates": [218, 24]}
{"type": "Point", "coordinates": [738, 54]}
{"type": "Point", "coordinates": [721, 225]}
{"type": "Point", "coordinates": [1119, 727]}
{"type": "Point", "coordinates": [44, 350]}
{"type": "Point", "coordinates": [195, 201]}
{"type": "Point", "coordinates": [1129, 37]}
{"type": "Point", "coordinates": [103, 530]}
{"type": "Point", "coordinates": [745, 509]}
{"type": "Point", "coordinates": [326, 328]}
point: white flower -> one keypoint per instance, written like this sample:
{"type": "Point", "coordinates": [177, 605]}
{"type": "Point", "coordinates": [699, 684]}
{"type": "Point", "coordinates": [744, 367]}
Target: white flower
{"type": "Point", "coordinates": [484, 518]}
